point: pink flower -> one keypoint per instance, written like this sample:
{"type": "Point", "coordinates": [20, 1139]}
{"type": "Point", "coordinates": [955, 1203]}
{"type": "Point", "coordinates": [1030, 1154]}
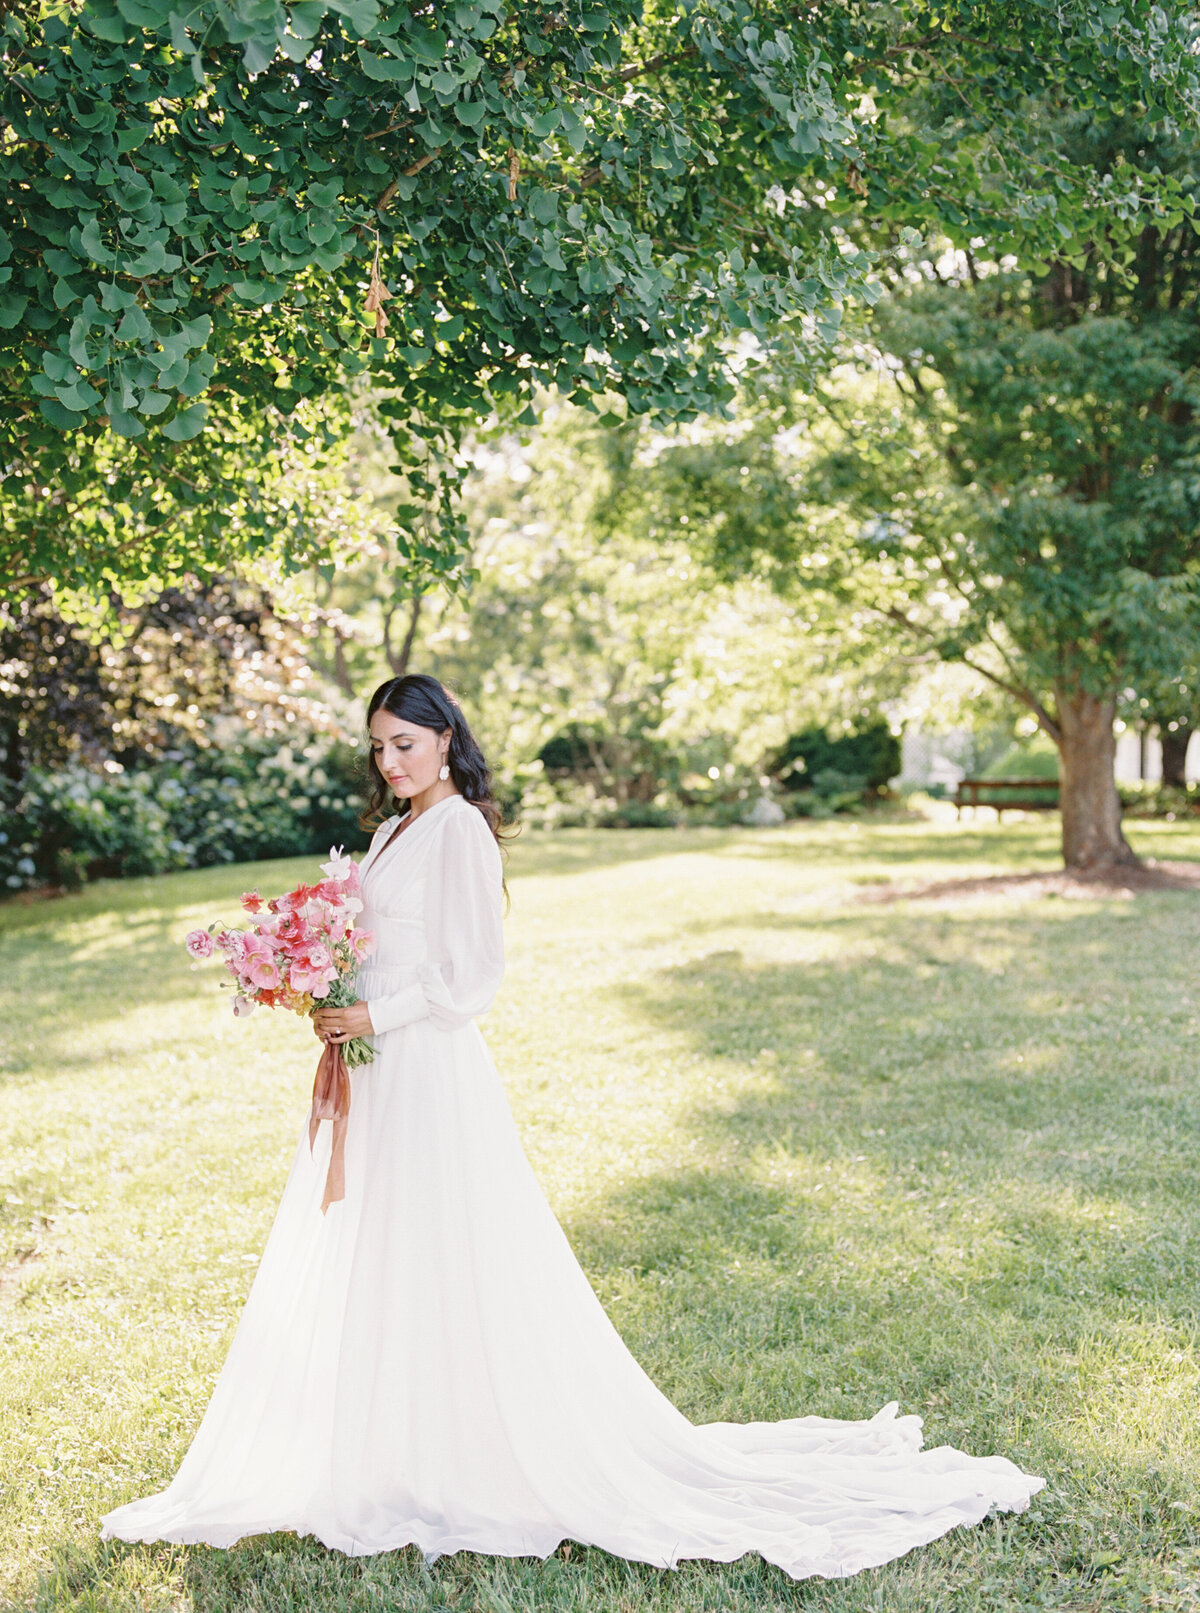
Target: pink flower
{"type": "Point", "coordinates": [293, 932]}
{"type": "Point", "coordinates": [258, 964]}
{"type": "Point", "coordinates": [313, 974]}
{"type": "Point", "coordinates": [311, 982]}
{"type": "Point", "coordinates": [298, 946]}
{"type": "Point", "coordinates": [262, 973]}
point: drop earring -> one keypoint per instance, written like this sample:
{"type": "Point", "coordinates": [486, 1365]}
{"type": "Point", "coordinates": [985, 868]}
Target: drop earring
{"type": "Point", "coordinates": [443, 771]}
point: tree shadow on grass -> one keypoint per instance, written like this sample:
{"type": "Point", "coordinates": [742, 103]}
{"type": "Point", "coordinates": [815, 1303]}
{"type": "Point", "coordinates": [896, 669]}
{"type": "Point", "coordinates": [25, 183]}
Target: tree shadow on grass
{"type": "Point", "coordinates": [806, 843]}
{"type": "Point", "coordinates": [1135, 880]}
{"type": "Point", "coordinates": [887, 1212]}
{"type": "Point", "coordinates": [542, 853]}
{"type": "Point", "coordinates": [62, 984]}
{"type": "Point", "coordinates": [968, 1229]}
{"type": "Point", "coordinates": [1051, 1046]}
{"type": "Point", "coordinates": [1004, 1192]}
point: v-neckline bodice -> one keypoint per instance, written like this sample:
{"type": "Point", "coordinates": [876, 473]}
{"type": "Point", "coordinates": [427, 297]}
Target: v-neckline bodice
{"type": "Point", "coordinates": [398, 833]}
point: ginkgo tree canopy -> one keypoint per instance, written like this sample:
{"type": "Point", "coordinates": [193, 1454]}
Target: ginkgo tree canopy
{"type": "Point", "coordinates": [199, 198]}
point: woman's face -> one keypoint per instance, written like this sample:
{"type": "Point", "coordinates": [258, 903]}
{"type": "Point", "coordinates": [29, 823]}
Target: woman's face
{"type": "Point", "coordinates": [408, 756]}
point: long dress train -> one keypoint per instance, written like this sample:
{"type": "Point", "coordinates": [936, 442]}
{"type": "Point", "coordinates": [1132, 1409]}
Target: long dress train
{"type": "Point", "coordinates": [426, 1363]}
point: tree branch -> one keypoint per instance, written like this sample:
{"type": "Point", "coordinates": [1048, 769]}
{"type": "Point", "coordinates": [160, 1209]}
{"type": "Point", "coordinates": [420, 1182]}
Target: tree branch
{"type": "Point", "coordinates": [413, 168]}
{"type": "Point", "coordinates": [1016, 690]}
{"type": "Point", "coordinates": [653, 63]}
{"type": "Point", "coordinates": [400, 662]}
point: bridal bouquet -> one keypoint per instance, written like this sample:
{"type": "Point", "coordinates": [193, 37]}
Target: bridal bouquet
{"type": "Point", "coordinates": [302, 954]}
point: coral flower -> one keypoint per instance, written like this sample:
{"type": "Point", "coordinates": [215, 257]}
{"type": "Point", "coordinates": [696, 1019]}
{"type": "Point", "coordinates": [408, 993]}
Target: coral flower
{"type": "Point", "coordinates": [300, 897]}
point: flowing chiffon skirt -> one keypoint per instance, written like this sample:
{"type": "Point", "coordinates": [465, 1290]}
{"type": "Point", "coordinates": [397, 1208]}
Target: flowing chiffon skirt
{"type": "Point", "coordinates": [428, 1364]}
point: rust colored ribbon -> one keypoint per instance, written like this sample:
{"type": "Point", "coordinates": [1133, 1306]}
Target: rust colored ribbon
{"type": "Point", "coordinates": [331, 1101]}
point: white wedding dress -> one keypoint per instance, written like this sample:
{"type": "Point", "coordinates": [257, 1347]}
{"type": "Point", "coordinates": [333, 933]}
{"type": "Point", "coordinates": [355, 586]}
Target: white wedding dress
{"type": "Point", "coordinates": [426, 1362]}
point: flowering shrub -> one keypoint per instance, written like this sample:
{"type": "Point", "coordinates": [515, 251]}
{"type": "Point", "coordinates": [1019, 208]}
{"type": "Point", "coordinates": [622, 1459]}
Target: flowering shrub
{"type": "Point", "coordinates": [249, 798]}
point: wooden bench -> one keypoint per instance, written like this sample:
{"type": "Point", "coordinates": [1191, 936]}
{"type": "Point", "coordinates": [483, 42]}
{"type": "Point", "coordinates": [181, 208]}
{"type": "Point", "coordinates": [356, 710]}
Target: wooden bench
{"type": "Point", "coordinates": [1007, 795]}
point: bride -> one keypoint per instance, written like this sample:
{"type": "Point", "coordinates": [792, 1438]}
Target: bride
{"type": "Point", "coordinates": [426, 1363]}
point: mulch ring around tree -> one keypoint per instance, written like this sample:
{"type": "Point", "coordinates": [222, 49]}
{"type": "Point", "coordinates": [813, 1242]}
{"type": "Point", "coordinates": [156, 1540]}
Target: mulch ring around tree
{"type": "Point", "coordinates": [1124, 882]}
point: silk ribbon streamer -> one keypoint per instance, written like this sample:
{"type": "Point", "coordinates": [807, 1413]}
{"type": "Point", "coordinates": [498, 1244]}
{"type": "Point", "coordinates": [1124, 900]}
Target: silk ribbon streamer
{"type": "Point", "coordinates": [331, 1101]}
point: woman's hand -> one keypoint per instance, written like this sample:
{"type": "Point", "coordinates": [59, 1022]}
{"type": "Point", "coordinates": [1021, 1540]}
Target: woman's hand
{"type": "Point", "coordinates": [342, 1024]}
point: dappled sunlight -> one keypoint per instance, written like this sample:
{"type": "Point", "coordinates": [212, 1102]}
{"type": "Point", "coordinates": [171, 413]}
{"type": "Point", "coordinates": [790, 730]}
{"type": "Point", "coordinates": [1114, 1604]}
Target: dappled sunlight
{"type": "Point", "coordinates": [1138, 1391]}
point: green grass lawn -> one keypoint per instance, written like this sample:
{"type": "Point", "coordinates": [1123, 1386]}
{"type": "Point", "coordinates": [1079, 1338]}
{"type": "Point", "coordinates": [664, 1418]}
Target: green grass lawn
{"type": "Point", "coordinates": [814, 1151]}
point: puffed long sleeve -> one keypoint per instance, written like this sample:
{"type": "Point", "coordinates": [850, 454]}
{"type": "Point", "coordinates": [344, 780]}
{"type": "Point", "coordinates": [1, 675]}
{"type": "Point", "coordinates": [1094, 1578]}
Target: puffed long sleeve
{"type": "Point", "coordinates": [464, 933]}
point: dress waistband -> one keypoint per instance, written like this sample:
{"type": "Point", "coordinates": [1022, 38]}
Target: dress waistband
{"type": "Point", "coordinates": [374, 976]}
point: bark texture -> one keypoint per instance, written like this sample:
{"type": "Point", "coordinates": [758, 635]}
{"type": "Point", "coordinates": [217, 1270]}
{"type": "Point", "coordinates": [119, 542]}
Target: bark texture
{"type": "Point", "coordinates": [1091, 808]}
{"type": "Point", "coordinates": [1174, 754]}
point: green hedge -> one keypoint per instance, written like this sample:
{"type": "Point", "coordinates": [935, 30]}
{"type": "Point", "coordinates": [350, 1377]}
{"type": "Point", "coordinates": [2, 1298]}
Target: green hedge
{"type": "Point", "coordinates": [249, 800]}
{"type": "Point", "coordinates": [838, 769]}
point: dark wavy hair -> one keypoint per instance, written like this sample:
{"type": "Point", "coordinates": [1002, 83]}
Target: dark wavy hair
{"type": "Point", "coordinates": [420, 699]}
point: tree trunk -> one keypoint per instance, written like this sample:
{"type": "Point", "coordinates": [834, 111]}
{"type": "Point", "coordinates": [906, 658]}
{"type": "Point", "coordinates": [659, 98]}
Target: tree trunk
{"type": "Point", "coordinates": [1091, 808]}
{"type": "Point", "coordinates": [398, 659]}
{"type": "Point", "coordinates": [14, 763]}
{"type": "Point", "coordinates": [1175, 743]}
{"type": "Point", "coordinates": [341, 671]}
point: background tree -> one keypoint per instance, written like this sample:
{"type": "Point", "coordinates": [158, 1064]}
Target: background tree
{"type": "Point", "coordinates": [596, 639]}
{"type": "Point", "coordinates": [1007, 478]}
{"type": "Point", "coordinates": [147, 678]}
{"type": "Point", "coordinates": [200, 205]}
{"type": "Point", "coordinates": [1033, 505]}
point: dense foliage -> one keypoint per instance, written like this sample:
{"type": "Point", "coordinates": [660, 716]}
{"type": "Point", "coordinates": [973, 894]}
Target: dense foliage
{"type": "Point", "coordinates": [213, 215]}
{"type": "Point", "coordinates": [182, 731]}
{"type": "Point", "coordinates": [1005, 477]}
{"type": "Point", "coordinates": [140, 680]}
{"type": "Point", "coordinates": [610, 674]}
{"type": "Point", "coordinates": [1032, 505]}
{"type": "Point", "coordinates": [248, 799]}
{"type": "Point", "coordinates": [855, 762]}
